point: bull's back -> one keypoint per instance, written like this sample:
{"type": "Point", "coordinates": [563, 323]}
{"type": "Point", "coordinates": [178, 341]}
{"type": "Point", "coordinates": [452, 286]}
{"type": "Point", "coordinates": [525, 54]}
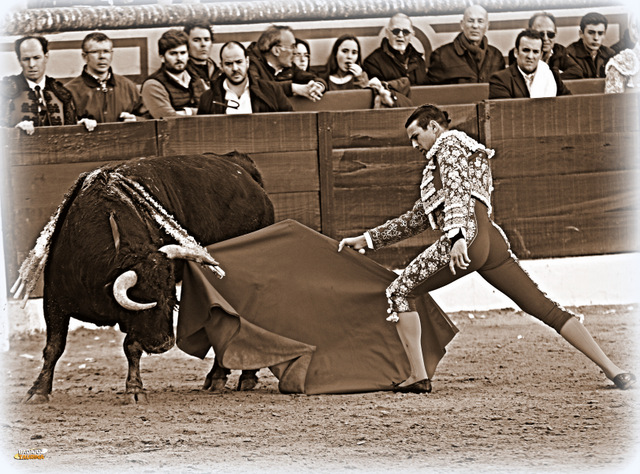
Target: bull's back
{"type": "Point", "coordinates": [213, 197]}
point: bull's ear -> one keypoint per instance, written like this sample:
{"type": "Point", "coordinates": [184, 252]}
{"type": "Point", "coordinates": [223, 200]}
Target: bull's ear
{"type": "Point", "coordinates": [114, 230]}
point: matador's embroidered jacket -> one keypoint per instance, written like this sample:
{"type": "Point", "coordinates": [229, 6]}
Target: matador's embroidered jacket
{"type": "Point", "coordinates": [457, 170]}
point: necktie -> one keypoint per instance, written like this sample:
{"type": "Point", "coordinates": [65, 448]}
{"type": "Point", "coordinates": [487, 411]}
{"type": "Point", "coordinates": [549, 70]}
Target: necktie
{"type": "Point", "coordinates": [43, 111]}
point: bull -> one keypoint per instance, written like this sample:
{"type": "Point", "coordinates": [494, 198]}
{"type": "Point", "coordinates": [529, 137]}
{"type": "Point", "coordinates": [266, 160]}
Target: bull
{"type": "Point", "coordinates": [115, 249]}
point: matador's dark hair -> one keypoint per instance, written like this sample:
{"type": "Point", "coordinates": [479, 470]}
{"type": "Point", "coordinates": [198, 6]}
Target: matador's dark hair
{"type": "Point", "coordinates": [425, 114]}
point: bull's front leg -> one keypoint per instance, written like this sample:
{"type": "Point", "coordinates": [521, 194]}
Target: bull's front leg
{"type": "Point", "coordinates": [134, 391]}
{"type": "Point", "coordinates": [217, 378]}
{"type": "Point", "coordinates": [57, 329]}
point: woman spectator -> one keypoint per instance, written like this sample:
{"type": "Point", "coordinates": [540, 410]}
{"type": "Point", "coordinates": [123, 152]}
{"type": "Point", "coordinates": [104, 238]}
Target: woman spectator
{"type": "Point", "coordinates": [302, 54]}
{"type": "Point", "coordinates": [343, 71]}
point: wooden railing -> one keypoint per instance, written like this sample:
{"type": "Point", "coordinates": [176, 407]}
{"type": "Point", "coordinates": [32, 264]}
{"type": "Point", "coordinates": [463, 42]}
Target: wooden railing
{"type": "Point", "coordinates": [565, 170]}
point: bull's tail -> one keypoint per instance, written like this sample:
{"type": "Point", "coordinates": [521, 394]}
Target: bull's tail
{"type": "Point", "coordinates": [34, 264]}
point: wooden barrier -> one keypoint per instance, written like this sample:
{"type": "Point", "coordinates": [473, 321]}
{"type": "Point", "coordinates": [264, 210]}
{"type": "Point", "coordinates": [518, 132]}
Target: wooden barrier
{"type": "Point", "coordinates": [585, 86]}
{"type": "Point", "coordinates": [564, 182]}
{"type": "Point", "coordinates": [450, 94]}
{"type": "Point", "coordinates": [565, 173]}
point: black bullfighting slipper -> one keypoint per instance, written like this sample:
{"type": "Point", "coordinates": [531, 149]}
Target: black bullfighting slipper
{"type": "Point", "coordinates": [624, 381]}
{"type": "Point", "coordinates": [421, 386]}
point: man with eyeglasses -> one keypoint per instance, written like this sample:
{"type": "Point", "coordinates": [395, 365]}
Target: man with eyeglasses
{"type": "Point", "coordinates": [32, 99]}
{"type": "Point", "coordinates": [469, 58]}
{"type": "Point", "coordinates": [397, 63]}
{"type": "Point", "coordinates": [589, 52]}
{"type": "Point", "coordinates": [271, 58]}
{"type": "Point", "coordinates": [554, 54]}
{"type": "Point", "coordinates": [98, 92]}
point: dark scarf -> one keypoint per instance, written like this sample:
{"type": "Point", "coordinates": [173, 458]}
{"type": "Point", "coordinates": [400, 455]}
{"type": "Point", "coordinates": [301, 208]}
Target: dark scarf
{"type": "Point", "coordinates": [478, 52]}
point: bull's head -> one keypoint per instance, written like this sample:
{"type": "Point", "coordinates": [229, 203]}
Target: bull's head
{"type": "Point", "coordinates": [129, 278]}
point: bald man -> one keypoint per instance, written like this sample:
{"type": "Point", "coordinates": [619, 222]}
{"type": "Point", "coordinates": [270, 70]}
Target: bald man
{"type": "Point", "coordinates": [469, 58]}
{"type": "Point", "coordinates": [396, 61]}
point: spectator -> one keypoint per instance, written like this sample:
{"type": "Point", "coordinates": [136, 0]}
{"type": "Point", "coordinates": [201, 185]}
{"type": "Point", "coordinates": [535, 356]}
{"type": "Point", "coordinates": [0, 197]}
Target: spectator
{"type": "Point", "coordinates": [98, 93]}
{"type": "Point", "coordinates": [171, 90]}
{"type": "Point", "coordinates": [343, 71]}
{"type": "Point", "coordinates": [33, 99]}
{"type": "Point", "coordinates": [234, 93]}
{"type": "Point", "coordinates": [396, 62]}
{"type": "Point", "coordinates": [200, 42]}
{"type": "Point", "coordinates": [271, 58]}
{"type": "Point", "coordinates": [589, 52]}
{"type": "Point", "coordinates": [554, 54]}
{"type": "Point", "coordinates": [623, 70]}
{"type": "Point", "coordinates": [469, 58]}
{"type": "Point", "coordinates": [302, 54]}
{"type": "Point", "coordinates": [628, 41]}
{"type": "Point", "coordinates": [529, 76]}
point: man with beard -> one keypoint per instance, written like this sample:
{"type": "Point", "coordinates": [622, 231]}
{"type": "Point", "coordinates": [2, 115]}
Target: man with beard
{"type": "Point", "coordinates": [235, 93]}
{"type": "Point", "coordinates": [469, 58]}
{"type": "Point", "coordinates": [32, 99]}
{"type": "Point", "coordinates": [529, 76]}
{"type": "Point", "coordinates": [200, 42]}
{"type": "Point", "coordinates": [396, 62]}
{"type": "Point", "coordinates": [171, 90]}
{"type": "Point", "coordinates": [98, 92]}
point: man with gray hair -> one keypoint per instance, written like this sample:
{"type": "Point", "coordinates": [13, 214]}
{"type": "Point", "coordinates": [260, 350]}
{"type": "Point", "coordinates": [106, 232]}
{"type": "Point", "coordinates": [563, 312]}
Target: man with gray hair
{"type": "Point", "coordinates": [469, 58]}
{"type": "Point", "coordinates": [396, 62]}
{"type": "Point", "coordinates": [271, 58]}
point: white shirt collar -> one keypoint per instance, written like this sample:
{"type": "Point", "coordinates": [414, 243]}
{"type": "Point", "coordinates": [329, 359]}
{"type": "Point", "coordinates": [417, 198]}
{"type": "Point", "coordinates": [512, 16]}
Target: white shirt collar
{"type": "Point", "coordinates": [32, 85]}
{"type": "Point", "coordinates": [183, 78]}
{"type": "Point", "coordinates": [243, 100]}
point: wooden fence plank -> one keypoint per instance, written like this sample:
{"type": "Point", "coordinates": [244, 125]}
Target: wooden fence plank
{"type": "Point", "coordinates": [302, 207]}
{"type": "Point", "coordinates": [563, 116]}
{"type": "Point", "coordinates": [385, 128]}
{"type": "Point", "coordinates": [573, 194]}
{"type": "Point", "coordinates": [578, 153]}
{"type": "Point", "coordinates": [75, 144]}
{"type": "Point", "coordinates": [274, 132]}
{"type": "Point", "coordinates": [279, 169]}
{"type": "Point", "coordinates": [573, 234]}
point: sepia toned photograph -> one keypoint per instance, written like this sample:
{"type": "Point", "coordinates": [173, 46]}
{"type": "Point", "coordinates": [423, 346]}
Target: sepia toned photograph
{"type": "Point", "coordinates": [312, 236]}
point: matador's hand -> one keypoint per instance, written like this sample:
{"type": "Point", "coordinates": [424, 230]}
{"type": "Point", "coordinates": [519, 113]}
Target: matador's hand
{"type": "Point", "coordinates": [459, 256]}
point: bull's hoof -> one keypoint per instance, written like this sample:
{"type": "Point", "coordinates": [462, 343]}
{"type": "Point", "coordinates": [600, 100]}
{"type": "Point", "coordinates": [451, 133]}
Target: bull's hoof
{"type": "Point", "coordinates": [247, 382]}
{"type": "Point", "coordinates": [136, 398]}
{"type": "Point", "coordinates": [214, 384]}
{"type": "Point", "coordinates": [36, 399]}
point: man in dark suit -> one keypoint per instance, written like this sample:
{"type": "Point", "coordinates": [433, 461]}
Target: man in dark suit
{"type": "Point", "coordinates": [234, 92]}
{"type": "Point", "coordinates": [589, 51]}
{"type": "Point", "coordinates": [554, 54]}
{"type": "Point", "coordinates": [529, 76]}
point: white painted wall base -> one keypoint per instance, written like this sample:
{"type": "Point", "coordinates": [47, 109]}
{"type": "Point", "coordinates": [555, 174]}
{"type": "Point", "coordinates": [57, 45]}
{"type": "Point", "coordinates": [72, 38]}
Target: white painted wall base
{"type": "Point", "coordinates": [575, 281]}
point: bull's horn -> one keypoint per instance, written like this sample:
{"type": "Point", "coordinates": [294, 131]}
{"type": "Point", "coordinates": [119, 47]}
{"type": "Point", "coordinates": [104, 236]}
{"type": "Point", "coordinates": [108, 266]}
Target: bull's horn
{"type": "Point", "coordinates": [125, 281]}
{"type": "Point", "coordinates": [174, 251]}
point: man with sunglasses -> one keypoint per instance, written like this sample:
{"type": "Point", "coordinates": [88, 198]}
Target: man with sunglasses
{"type": "Point", "coordinates": [271, 58]}
{"type": "Point", "coordinates": [98, 92]}
{"type": "Point", "coordinates": [589, 52]}
{"type": "Point", "coordinates": [554, 54]}
{"type": "Point", "coordinates": [469, 58]}
{"type": "Point", "coordinates": [396, 62]}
